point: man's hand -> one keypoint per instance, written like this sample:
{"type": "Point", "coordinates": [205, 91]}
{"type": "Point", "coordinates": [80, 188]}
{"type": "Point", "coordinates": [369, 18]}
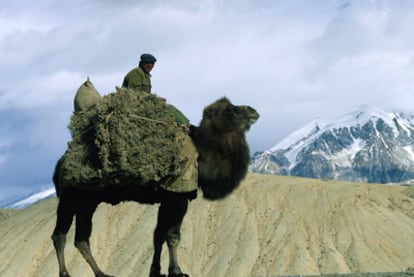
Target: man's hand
{"type": "Point", "coordinates": [162, 99]}
{"type": "Point", "coordinates": [186, 128]}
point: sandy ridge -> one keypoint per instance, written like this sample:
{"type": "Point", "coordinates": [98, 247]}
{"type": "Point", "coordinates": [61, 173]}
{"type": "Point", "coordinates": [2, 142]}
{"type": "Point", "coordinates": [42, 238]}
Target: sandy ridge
{"type": "Point", "coordinates": [272, 225]}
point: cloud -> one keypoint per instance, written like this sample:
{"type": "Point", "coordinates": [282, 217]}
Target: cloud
{"type": "Point", "coordinates": [363, 56]}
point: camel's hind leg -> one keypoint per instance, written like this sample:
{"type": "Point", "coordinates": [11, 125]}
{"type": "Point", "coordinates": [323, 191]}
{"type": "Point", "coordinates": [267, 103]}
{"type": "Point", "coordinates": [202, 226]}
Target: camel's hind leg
{"type": "Point", "coordinates": [83, 232]}
{"type": "Point", "coordinates": [170, 216]}
{"type": "Point", "coordinates": [65, 215]}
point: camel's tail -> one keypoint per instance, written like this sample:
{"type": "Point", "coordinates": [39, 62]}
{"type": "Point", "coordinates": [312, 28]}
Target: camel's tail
{"type": "Point", "coordinates": [57, 176]}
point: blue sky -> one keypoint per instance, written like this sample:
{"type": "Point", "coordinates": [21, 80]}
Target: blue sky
{"type": "Point", "coordinates": [291, 60]}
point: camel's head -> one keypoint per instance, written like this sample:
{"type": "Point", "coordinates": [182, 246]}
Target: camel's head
{"type": "Point", "coordinates": [223, 116]}
{"type": "Point", "coordinates": [221, 144]}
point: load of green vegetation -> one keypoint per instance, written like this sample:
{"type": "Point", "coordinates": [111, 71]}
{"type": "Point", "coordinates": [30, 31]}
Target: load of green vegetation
{"type": "Point", "coordinates": [127, 137]}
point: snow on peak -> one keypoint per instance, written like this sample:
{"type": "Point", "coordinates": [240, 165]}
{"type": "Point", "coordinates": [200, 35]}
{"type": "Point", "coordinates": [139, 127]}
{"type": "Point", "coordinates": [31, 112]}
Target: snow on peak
{"type": "Point", "coordinates": [359, 117]}
{"type": "Point", "coordinates": [31, 199]}
{"type": "Point", "coordinates": [302, 138]}
{"type": "Point", "coordinates": [297, 136]}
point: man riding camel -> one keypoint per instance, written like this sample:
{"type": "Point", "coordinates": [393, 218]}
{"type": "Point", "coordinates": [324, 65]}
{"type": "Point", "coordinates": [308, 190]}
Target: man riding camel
{"type": "Point", "coordinates": [139, 79]}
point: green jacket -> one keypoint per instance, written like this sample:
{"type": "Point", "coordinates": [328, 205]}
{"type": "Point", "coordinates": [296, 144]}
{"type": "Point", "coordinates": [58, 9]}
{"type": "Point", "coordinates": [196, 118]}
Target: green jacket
{"type": "Point", "coordinates": [137, 79]}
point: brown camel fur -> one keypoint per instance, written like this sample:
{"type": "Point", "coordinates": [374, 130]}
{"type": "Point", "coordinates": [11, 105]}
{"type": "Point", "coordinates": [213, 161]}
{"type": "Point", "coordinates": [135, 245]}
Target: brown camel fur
{"type": "Point", "coordinates": [222, 164]}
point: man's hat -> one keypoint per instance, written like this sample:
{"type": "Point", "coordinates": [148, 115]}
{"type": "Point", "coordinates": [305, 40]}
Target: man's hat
{"type": "Point", "coordinates": [148, 58]}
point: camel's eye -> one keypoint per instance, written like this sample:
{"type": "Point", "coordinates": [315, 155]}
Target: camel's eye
{"type": "Point", "coordinates": [229, 110]}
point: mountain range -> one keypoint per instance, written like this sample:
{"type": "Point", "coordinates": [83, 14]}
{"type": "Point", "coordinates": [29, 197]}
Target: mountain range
{"type": "Point", "coordinates": [366, 145]}
{"type": "Point", "coordinates": [27, 200]}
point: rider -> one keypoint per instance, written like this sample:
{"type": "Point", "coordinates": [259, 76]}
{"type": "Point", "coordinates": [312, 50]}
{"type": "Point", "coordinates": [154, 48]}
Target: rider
{"type": "Point", "coordinates": [139, 79]}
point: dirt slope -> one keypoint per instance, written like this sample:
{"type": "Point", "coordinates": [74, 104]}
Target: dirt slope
{"type": "Point", "coordinates": [271, 226]}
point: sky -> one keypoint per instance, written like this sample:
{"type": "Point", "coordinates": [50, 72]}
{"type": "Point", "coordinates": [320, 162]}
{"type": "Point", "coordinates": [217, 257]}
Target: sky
{"type": "Point", "coordinates": [292, 60]}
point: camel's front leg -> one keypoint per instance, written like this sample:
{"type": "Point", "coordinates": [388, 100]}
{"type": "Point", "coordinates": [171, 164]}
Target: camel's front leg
{"type": "Point", "coordinates": [83, 232]}
{"type": "Point", "coordinates": [170, 217]}
{"type": "Point", "coordinates": [173, 240]}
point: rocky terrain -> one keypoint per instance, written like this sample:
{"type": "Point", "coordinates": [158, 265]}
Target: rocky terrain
{"type": "Point", "coordinates": [272, 226]}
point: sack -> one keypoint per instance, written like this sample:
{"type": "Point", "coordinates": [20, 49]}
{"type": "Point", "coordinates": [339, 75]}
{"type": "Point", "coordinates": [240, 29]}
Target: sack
{"type": "Point", "coordinates": [86, 97]}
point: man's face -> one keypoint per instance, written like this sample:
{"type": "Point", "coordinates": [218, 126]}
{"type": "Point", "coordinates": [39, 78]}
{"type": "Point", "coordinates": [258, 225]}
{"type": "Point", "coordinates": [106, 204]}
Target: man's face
{"type": "Point", "coordinates": [147, 67]}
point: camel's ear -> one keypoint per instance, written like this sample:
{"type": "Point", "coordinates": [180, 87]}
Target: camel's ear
{"type": "Point", "coordinates": [224, 99]}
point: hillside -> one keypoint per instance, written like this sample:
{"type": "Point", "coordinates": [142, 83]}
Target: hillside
{"type": "Point", "coordinates": [272, 225]}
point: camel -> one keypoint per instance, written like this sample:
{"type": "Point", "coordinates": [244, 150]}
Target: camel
{"type": "Point", "coordinates": [223, 157]}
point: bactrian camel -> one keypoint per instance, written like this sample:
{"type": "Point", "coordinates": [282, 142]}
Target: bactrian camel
{"type": "Point", "coordinates": [222, 164]}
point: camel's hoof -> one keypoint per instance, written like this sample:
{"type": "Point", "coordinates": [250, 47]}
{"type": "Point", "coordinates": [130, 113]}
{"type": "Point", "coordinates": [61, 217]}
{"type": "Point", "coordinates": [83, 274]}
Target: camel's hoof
{"type": "Point", "coordinates": [157, 275]}
{"type": "Point", "coordinates": [178, 275]}
{"type": "Point", "coordinates": [104, 275]}
{"type": "Point", "coordinates": [64, 274]}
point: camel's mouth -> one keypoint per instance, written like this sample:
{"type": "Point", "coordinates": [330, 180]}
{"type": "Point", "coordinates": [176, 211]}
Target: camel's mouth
{"type": "Point", "coordinates": [250, 116]}
{"type": "Point", "coordinates": [253, 115]}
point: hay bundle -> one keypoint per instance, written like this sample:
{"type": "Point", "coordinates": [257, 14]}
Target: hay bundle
{"type": "Point", "coordinates": [128, 137]}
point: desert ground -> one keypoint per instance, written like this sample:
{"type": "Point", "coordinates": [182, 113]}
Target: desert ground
{"type": "Point", "coordinates": [271, 226]}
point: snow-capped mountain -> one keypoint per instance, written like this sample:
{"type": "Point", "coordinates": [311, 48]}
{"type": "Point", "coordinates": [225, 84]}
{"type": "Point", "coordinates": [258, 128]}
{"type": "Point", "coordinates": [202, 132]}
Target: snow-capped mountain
{"type": "Point", "coordinates": [28, 200]}
{"type": "Point", "coordinates": [367, 145]}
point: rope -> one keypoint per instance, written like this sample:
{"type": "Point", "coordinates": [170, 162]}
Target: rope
{"type": "Point", "coordinates": [148, 119]}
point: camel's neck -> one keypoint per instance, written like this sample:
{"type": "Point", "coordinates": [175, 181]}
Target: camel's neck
{"type": "Point", "coordinates": [223, 161]}
{"type": "Point", "coordinates": [207, 139]}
